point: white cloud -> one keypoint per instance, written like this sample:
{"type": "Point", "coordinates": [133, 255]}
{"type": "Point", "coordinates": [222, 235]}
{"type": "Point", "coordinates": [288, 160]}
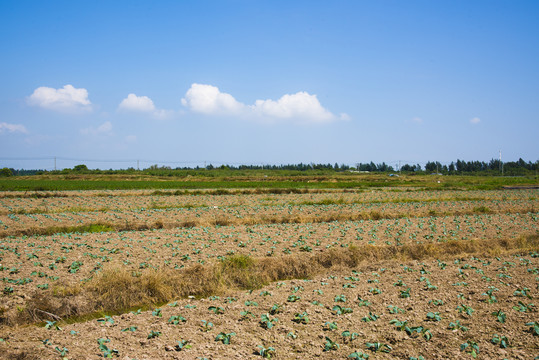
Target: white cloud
{"type": "Point", "coordinates": [67, 99]}
{"type": "Point", "coordinates": [475, 120]}
{"type": "Point", "coordinates": [208, 99]}
{"type": "Point", "coordinates": [142, 104]}
{"type": "Point", "coordinates": [417, 120]}
{"type": "Point", "coordinates": [11, 128]}
{"type": "Point", "coordinates": [103, 129]}
{"type": "Point", "coordinates": [299, 107]}
{"type": "Point", "coordinates": [137, 103]}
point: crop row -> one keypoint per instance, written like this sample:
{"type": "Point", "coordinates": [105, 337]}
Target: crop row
{"type": "Point", "coordinates": [117, 200]}
{"type": "Point", "coordinates": [13, 224]}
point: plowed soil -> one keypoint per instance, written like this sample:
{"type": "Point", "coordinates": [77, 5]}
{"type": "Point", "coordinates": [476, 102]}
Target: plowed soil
{"type": "Point", "coordinates": [426, 307]}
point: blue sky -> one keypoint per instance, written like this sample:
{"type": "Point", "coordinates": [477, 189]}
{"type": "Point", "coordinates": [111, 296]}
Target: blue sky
{"type": "Point", "coordinates": [181, 83]}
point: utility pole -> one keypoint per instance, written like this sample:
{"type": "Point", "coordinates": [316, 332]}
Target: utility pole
{"type": "Point", "coordinates": [138, 167]}
{"type": "Point", "coordinates": [55, 163]}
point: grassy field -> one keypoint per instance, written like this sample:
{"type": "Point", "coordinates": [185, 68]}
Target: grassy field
{"type": "Point", "coordinates": [332, 267]}
{"type": "Point", "coordinates": [259, 181]}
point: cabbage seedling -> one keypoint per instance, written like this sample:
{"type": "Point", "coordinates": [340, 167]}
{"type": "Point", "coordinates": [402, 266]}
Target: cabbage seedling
{"type": "Point", "coordinates": [378, 347]}
{"type": "Point", "coordinates": [330, 345]}
{"type": "Point", "coordinates": [266, 353]}
{"type": "Point", "coordinates": [224, 338]}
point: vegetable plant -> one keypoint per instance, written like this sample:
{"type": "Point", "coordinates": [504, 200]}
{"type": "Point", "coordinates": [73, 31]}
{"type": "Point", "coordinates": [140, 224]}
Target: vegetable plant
{"type": "Point", "coordinates": [182, 344]}
{"type": "Point", "coordinates": [378, 347]}
{"type": "Point", "coordinates": [470, 347]}
{"type": "Point", "coordinates": [330, 345]}
{"type": "Point", "coordinates": [266, 353]}
{"type": "Point", "coordinates": [534, 328]}
{"type": "Point", "coordinates": [266, 322]}
{"type": "Point", "coordinates": [224, 337]}
{"type": "Point", "coordinates": [301, 318]}
{"type": "Point", "coordinates": [500, 340]}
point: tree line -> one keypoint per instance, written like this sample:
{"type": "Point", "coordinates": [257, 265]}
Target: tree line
{"type": "Point", "coordinates": [462, 167]}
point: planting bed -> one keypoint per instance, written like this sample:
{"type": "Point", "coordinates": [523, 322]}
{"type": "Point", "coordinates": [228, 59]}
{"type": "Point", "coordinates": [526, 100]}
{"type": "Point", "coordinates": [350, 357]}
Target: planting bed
{"type": "Point", "coordinates": [406, 273]}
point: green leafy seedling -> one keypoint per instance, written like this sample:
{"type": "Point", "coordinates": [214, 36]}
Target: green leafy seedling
{"type": "Point", "coordinates": [217, 309]}
{"type": "Point", "coordinates": [358, 355]}
{"type": "Point", "coordinates": [470, 347]}
{"type": "Point", "coordinates": [275, 309]}
{"type": "Point", "coordinates": [500, 316]}
{"type": "Point", "coordinates": [293, 298]}
{"type": "Point", "coordinates": [466, 309]}
{"type": "Point", "coordinates": [301, 318]}
{"type": "Point", "coordinates": [534, 328]}
{"type": "Point", "coordinates": [266, 322]}
{"type": "Point", "coordinates": [433, 316]}
{"type": "Point", "coordinates": [224, 338]}
{"type": "Point", "coordinates": [206, 325]}
{"type": "Point", "coordinates": [182, 344]}
{"type": "Point", "coordinates": [339, 310]}
{"type": "Point", "coordinates": [266, 353]}
{"type": "Point", "coordinates": [330, 326]}
{"type": "Point", "coordinates": [523, 307]}
{"type": "Point", "coordinates": [63, 351]}
{"type": "Point", "coordinates": [400, 325]}
{"type": "Point", "coordinates": [457, 326]}
{"type": "Point", "coordinates": [395, 310]}
{"type": "Point", "coordinates": [378, 347]}
{"type": "Point", "coordinates": [370, 317]}
{"type": "Point", "coordinates": [107, 352]}
{"type": "Point", "coordinates": [330, 345]}
{"type": "Point", "coordinates": [176, 319]}
{"type": "Point", "coordinates": [405, 293]}
{"type": "Point", "coordinates": [349, 336]}
{"type": "Point", "coordinates": [500, 340]}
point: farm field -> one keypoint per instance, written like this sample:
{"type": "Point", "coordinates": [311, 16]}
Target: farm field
{"type": "Point", "coordinates": [384, 273]}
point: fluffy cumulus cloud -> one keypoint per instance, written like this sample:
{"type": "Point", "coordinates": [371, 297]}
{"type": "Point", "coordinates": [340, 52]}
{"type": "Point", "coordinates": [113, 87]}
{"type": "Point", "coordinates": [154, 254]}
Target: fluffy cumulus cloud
{"type": "Point", "coordinates": [143, 104]}
{"type": "Point", "coordinates": [475, 120]}
{"type": "Point", "coordinates": [207, 99]}
{"type": "Point", "coordinates": [12, 128]}
{"type": "Point", "coordinates": [67, 98]}
{"type": "Point", "coordinates": [300, 107]}
{"type": "Point", "coordinates": [103, 129]}
{"type": "Point", "coordinates": [137, 103]}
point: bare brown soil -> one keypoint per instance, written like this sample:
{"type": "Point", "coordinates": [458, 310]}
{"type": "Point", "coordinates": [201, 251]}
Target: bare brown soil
{"type": "Point", "coordinates": [448, 248]}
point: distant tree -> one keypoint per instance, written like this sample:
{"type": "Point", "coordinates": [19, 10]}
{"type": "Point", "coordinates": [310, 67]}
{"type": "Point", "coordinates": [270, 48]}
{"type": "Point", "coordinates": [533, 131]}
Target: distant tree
{"type": "Point", "coordinates": [81, 167]}
{"type": "Point", "coordinates": [407, 167]}
{"type": "Point", "coordinates": [430, 166]}
{"type": "Point", "coordinates": [5, 172]}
